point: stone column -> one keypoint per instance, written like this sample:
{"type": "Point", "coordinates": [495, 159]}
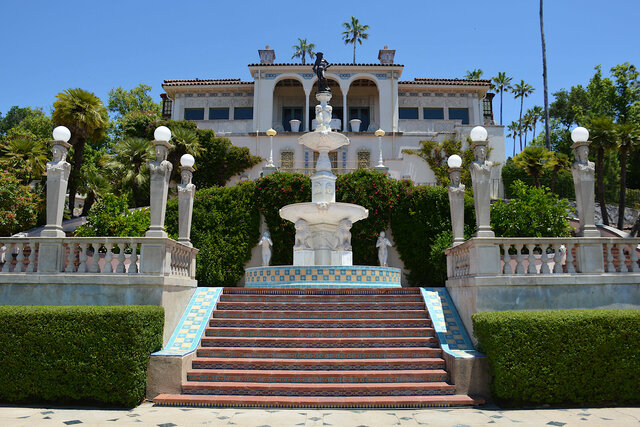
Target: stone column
{"type": "Point", "coordinates": [590, 257]}
{"type": "Point", "coordinates": [305, 113]}
{"type": "Point", "coordinates": [51, 255]}
{"type": "Point", "coordinates": [456, 205]}
{"type": "Point", "coordinates": [186, 193]}
{"type": "Point", "coordinates": [345, 112]}
{"type": "Point", "coordinates": [160, 170]}
{"type": "Point", "coordinates": [481, 180]}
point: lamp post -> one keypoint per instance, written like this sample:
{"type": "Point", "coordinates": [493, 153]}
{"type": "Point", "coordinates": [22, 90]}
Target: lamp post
{"type": "Point", "coordinates": [186, 192]}
{"type": "Point", "coordinates": [583, 172]}
{"type": "Point", "coordinates": [270, 167]}
{"type": "Point", "coordinates": [456, 199]}
{"type": "Point", "coordinates": [481, 179]}
{"type": "Point", "coordinates": [160, 170]}
{"type": "Point", "coordinates": [380, 167]}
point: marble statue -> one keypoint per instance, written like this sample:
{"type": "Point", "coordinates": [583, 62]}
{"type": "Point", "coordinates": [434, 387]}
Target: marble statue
{"type": "Point", "coordinates": [160, 171]}
{"type": "Point", "coordinates": [319, 67]}
{"type": "Point", "coordinates": [480, 170]}
{"type": "Point", "coordinates": [456, 205]}
{"type": "Point", "coordinates": [303, 235]}
{"type": "Point", "coordinates": [383, 252]}
{"type": "Point", "coordinates": [343, 236]}
{"type": "Point", "coordinates": [583, 172]}
{"type": "Point", "coordinates": [266, 244]}
{"type": "Point", "coordinates": [161, 166]}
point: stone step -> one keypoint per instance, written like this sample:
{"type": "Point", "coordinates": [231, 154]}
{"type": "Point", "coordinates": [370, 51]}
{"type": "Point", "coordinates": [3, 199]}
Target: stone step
{"type": "Point", "coordinates": [370, 402]}
{"type": "Point", "coordinates": [261, 342]}
{"type": "Point", "coordinates": [320, 306]}
{"type": "Point", "coordinates": [321, 291]}
{"type": "Point", "coordinates": [320, 323]}
{"type": "Point", "coordinates": [321, 298]}
{"type": "Point", "coordinates": [318, 389]}
{"type": "Point", "coordinates": [319, 353]}
{"type": "Point", "coordinates": [323, 315]}
{"type": "Point", "coordinates": [289, 376]}
{"type": "Point", "coordinates": [318, 364]}
{"type": "Point", "coordinates": [320, 332]}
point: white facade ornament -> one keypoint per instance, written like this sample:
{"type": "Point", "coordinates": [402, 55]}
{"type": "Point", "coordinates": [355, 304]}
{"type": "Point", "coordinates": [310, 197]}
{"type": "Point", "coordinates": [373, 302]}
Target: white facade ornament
{"type": "Point", "coordinates": [383, 248]}
{"type": "Point", "coordinates": [266, 243]}
{"type": "Point", "coordinates": [303, 235]}
{"type": "Point", "coordinates": [481, 179]}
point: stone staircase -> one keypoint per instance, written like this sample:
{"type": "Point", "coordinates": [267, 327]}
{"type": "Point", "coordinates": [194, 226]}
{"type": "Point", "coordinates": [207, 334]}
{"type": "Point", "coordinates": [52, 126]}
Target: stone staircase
{"type": "Point", "coordinates": [318, 348]}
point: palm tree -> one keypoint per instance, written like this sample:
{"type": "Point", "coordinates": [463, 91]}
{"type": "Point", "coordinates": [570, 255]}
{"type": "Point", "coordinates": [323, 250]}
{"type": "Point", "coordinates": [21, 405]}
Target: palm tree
{"type": "Point", "coordinates": [537, 114]}
{"type": "Point", "coordinates": [557, 162]}
{"type": "Point", "coordinates": [544, 79]}
{"type": "Point", "coordinates": [513, 129]}
{"type": "Point", "coordinates": [602, 139]}
{"type": "Point", "coordinates": [526, 125]}
{"type": "Point", "coordinates": [129, 165]}
{"type": "Point", "coordinates": [184, 141]}
{"type": "Point", "coordinates": [628, 140]}
{"type": "Point", "coordinates": [500, 83]}
{"type": "Point", "coordinates": [473, 75]}
{"type": "Point", "coordinates": [94, 184]}
{"type": "Point", "coordinates": [86, 117]}
{"type": "Point", "coordinates": [27, 154]}
{"type": "Point", "coordinates": [303, 48]}
{"type": "Point", "coordinates": [354, 32]}
{"type": "Point", "coordinates": [532, 159]}
{"type": "Point", "coordinates": [522, 90]}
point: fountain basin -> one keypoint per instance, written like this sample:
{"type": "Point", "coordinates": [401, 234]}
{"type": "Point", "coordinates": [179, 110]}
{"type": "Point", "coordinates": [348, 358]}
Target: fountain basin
{"type": "Point", "coordinates": [323, 141]}
{"type": "Point", "coordinates": [323, 213]}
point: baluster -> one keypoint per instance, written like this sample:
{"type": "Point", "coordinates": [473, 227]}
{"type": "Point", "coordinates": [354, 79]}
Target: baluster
{"type": "Point", "coordinates": [544, 258]}
{"type": "Point", "coordinates": [569, 260]}
{"type": "Point", "coordinates": [610, 267]}
{"type": "Point", "coordinates": [506, 258]}
{"type": "Point", "coordinates": [3, 253]}
{"type": "Point", "coordinates": [633, 257]}
{"type": "Point", "coordinates": [622, 259]}
{"type": "Point", "coordinates": [108, 267]}
{"type": "Point", "coordinates": [95, 258]}
{"type": "Point", "coordinates": [82, 267]}
{"type": "Point", "coordinates": [8, 258]}
{"type": "Point", "coordinates": [120, 265]}
{"type": "Point", "coordinates": [71, 258]}
{"type": "Point", "coordinates": [133, 265]}
{"type": "Point", "coordinates": [19, 268]}
{"type": "Point", "coordinates": [531, 269]}
{"type": "Point", "coordinates": [557, 258]}
{"type": "Point", "coordinates": [519, 259]}
{"type": "Point", "coordinates": [31, 267]}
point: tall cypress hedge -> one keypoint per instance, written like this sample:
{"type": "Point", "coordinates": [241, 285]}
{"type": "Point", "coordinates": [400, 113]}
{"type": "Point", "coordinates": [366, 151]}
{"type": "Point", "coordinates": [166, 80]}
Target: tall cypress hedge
{"type": "Point", "coordinates": [83, 354]}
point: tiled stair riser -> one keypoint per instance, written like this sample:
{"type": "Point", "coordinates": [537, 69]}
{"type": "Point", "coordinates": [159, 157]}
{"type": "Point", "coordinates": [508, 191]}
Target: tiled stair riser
{"type": "Point", "coordinates": [318, 343]}
{"type": "Point", "coordinates": [328, 306]}
{"type": "Point", "coordinates": [321, 323]}
{"type": "Point", "coordinates": [316, 393]}
{"type": "Point", "coordinates": [320, 333]}
{"type": "Point", "coordinates": [286, 299]}
{"type": "Point", "coordinates": [325, 315]}
{"type": "Point", "coordinates": [335, 365]}
{"type": "Point", "coordinates": [307, 353]}
{"type": "Point", "coordinates": [313, 377]}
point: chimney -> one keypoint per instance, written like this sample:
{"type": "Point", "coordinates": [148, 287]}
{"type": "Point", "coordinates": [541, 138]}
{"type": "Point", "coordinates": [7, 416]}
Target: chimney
{"type": "Point", "coordinates": [386, 55]}
{"type": "Point", "coordinates": [267, 55]}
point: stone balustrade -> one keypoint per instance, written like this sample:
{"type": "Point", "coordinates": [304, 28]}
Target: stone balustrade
{"type": "Point", "coordinates": [99, 255]}
{"type": "Point", "coordinates": [545, 255]}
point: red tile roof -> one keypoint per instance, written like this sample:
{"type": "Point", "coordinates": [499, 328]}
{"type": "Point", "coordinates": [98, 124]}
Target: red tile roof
{"type": "Point", "coordinates": [205, 82]}
{"type": "Point", "coordinates": [446, 82]}
{"type": "Point", "coordinates": [342, 64]}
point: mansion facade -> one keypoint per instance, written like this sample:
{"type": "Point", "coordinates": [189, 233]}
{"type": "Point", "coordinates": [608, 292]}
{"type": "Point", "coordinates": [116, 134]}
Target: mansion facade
{"type": "Point", "coordinates": [366, 97]}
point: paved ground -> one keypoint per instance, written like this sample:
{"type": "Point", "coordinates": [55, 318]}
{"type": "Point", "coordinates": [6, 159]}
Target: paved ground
{"type": "Point", "coordinates": [148, 415]}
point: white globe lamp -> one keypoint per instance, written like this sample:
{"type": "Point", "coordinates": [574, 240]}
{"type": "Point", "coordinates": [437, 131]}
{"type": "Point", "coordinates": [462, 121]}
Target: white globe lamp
{"type": "Point", "coordinates": [61, 133]}
{"type": "Point", "coordinates": [454, 161]}
{"type": "Point", "coordinates": [478, 134]}
{"type": "Point", "coordinates": [580, 134]}
{"type": "Point", "coordinates": [162, 133]}
{"type": "Point", "coordinates": [187, 161]}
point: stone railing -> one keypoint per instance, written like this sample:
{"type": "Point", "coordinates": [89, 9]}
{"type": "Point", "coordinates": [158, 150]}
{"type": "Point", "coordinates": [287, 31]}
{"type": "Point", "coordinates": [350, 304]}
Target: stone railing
{"type": "Point", "coordinates": [540, 256]}
{"type": "Point", "coordinates": [97, 255]}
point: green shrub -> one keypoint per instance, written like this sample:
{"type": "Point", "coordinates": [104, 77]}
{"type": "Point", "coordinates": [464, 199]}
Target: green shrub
{"type": "Point", "coordinates": [110, 216]}
{"type": "Point", "coordinates": [421, 215]}
{"type": "Point", "coordinates": [19, 206]}
{"type": "Point", "coordinates": [577, 357]}
{"type": "Point", "coordinates": [225, 229]}
{"type": "Point", "coordinates": [532, 212]}
{"type": "Point", "coordinates": [85, 354]}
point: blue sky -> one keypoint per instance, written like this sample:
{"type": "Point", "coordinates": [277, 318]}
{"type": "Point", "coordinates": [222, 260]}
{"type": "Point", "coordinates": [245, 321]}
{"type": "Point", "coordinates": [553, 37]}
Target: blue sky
{"type": "Point", "coordinates": [50, 46]}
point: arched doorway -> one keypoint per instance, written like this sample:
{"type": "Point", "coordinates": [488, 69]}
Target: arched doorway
{"type": "Point", "coordinates": [336, 104]}
{"type": "Point", "coordinates": [288, 104]}
{"type": "Point", "coordinates": [363, 103]}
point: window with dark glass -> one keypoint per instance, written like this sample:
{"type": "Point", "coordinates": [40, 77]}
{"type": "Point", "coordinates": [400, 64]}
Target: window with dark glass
{"type": "Point", "coordinates": [218, 113]}
{"type": "Point", "coordinates": [408, 113]}
{"type": "Point", "coordinates": [459, 114]}
{"type": "Point", "coordinates": [243, 113]}
{"type": "Point", "coordinates": [433, 113]}
{"type": "Point", "coordinates": [194, 113]}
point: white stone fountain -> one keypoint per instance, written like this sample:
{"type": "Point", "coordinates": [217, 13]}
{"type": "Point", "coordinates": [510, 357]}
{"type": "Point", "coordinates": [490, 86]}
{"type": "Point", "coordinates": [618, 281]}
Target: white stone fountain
{"type": "Point", "coordinates": [322, 225]}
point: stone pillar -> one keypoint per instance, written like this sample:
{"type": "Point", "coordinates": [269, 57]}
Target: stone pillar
{"type": "Point", "coordinates": [160, 170]}
{"type": "Point", "coordinates": [590, 257]}
{"type": "Point", "coordinates": [305, 113]}
{"type": "Point", "coordinates": [456, 205]}
{"type": "Point", "coordinates": [345, 112]}
{"type": "Point", "coordinates": [51, 255]}
{"type": "Point", "coordinates": [186, 193]}
{"type": "Point", "coordinates": [481, 180]}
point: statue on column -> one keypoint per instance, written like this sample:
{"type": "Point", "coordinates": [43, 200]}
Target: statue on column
{"type": "Point", "coordinates": [186, 194]}
{"type": "Point", "coordinates": [266, 244]}
{"type": "Point", "coordinates": [161, 166]}
{"type": "Point", "coordinates": [583, 172]}
{"type": "Point", "coordinates": [319, 67]}
{"type": "Point", "coordinates": [481, 179]}
{"type": "Point", "coordinates": [58, 164]}
{"type": "Point", "coordinates": [383, 252]}
{"type": "Point", "coordinates": [456, 199]}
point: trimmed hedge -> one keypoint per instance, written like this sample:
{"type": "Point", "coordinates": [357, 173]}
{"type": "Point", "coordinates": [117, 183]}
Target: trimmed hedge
{"type": "Point", "coordinates": [575, 357]}
{"type": "Point", "coordinates": [77, 354]}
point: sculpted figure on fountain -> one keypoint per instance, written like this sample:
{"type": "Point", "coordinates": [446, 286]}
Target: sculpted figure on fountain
{"type": "Point", "coordinates": [383, 252]}
{"type": "Point", "coordinates": [303, 235]}
{"type": "Point", "coordinates": [266, 243]}
{"type": "Point", "coordinates": [343, 236]}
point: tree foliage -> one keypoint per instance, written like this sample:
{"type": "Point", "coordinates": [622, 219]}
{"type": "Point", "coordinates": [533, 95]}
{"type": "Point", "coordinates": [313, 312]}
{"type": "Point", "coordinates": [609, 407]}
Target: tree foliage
{"type": "Point", "coordinates": [20, 207]}
{"type": "Point", "coordinates": [354, 32]}
{"type": "Point", "coordinates": [110, 216]}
